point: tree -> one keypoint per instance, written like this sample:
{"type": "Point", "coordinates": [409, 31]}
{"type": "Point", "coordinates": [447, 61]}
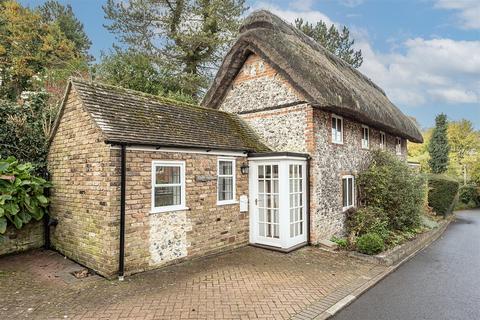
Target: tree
{"type": "Point", "coordinates": [185, 37]}
{"type": "Point", "coordinates": [133, 70]}
{"type": "Point", "coordinates": [54, 12]}
{"type": "Point", "coordinates": [338, 43]}
{"type": "Point", "coordinates": [31, 51]}
{"type": "Point", "coordinates": [438, 147]}
{"type": "Point", "coordinates": [464, 148]}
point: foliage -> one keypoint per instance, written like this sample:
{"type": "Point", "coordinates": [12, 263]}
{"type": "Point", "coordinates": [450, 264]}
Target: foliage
{"type": "Point", "coordinates": [31, 51]}
{"type": "Point", "coordinates": [390, 185]}
{"type": "Point", "coordinates": [186, 37]}
{"type": "Point", "coordinates": [469, 197]}
{"type": "Point", "coordinates": [442, 193]}
{"type": "Point", "coordinates": [368, 220]}
{"type": "Point", "coordinates": [24, 128]}
{"type": "Point", "coordinates": [134, 70]}
{"type": "Point", "coordinates": [341, 242]}
{"type": "Point", "coordinates": [370, 243]}
{"type": "Point", "coordinates": [22, 194]}
{"type": "Point", "coordinates": [338, 43]}
{"type": "Point", "coordinates": [54, 12]}
{"type": "Point", "coordinates": [438, 148]}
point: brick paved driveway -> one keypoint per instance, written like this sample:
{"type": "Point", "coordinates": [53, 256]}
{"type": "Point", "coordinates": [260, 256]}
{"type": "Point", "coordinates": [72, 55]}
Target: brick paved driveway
{"type": "Point", "coordinates": [247, 283]}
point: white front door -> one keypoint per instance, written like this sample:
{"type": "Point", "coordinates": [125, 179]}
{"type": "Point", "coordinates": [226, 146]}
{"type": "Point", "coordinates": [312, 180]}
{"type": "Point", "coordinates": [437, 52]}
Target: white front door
{"type": "Point", "coordinates": [278, 206]}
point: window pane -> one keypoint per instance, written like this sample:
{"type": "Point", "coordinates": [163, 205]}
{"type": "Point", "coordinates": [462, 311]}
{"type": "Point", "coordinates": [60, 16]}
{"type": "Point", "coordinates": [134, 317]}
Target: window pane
{"type": "Point", "coordinates": [225, 167]}
{"type": "Point", "coordinates": [350, 191]}
{"type": "Point", "coordinates": [344, 193]}
{"type": "Point", "coordinates": [275, 171]}
{"type": "Point", "coordinates": [225, 188]}
{"type": "Point", "coordinates": [167, 175]}
{"type": "Point", "coordinates": [261, 174]}
{"type": "Point", "coordinates": [167, 196]}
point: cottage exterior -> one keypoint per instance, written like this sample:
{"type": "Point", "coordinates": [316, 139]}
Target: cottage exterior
{"type": "Point", "coordinates": [141, 182]}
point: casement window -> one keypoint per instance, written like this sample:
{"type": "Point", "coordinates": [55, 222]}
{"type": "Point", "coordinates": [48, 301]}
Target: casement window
{"type": "Point", "coordinates": [337, 129]}
{"type": "Point", "coordinates": [348, 192]}
{"type": "Point", "coordinates": [168, 186]}
{"type": "Point", "coordinates": [398, 146]}
{"type": "Point", "coordinates": [226, 181]}
{"type": "Point", "coordinates": [365, 137]}
{"type": "Point", "coordinates": [383, 141]}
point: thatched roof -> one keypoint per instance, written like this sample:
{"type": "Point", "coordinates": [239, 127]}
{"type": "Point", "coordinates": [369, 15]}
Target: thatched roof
{"type": "Point", "coordinates": [132, 117]}
{"type": "Point", "coordinates": [325, 80]}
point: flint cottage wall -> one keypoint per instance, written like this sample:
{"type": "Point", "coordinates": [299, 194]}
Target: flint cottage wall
{"type": "Point", "coordinates": [285, 122]}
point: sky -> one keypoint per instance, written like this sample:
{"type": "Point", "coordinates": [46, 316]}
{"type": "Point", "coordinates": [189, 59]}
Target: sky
{"type": "Point", "coordinates": [425, 54]}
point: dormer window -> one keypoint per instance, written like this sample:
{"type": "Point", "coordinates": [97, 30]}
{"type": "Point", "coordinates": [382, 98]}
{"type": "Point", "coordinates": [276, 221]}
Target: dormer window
{"type": "Point", "coordinates": [337, 129]}
{"type": "Point", "coordinates": [365, 137]}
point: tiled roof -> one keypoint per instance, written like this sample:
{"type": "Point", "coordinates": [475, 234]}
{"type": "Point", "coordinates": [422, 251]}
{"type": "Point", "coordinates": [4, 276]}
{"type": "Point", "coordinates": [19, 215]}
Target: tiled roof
{"type": "Point", "coordinates": [127, 116]}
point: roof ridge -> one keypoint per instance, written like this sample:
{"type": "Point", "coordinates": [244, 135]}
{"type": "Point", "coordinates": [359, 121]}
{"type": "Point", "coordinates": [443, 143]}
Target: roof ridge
{"type": "Point", "coordinates": [133, 92]}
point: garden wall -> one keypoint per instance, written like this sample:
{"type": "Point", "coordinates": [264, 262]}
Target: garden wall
{"type": "Point", "coordinates": [31, 236]}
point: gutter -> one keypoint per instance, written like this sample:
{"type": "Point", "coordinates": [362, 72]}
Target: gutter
{"type": "Point", "coordinates": [121, 257]}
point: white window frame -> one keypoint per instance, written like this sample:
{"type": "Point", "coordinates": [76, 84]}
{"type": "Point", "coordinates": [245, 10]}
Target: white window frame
{"type": "Point", "coordinates": [383, 140]}
{"type": "Point", "coordinates": [353, 191]}
{"type": "Point", "coordinates": [398, 146]}
{"type": "Point", "coordinates": [335, 133]}
{"type": "Point", "coordinates": [234, 181]}
{"type": "Point", "coordinates": [168, 163]}
{"type": "Point", "coordinates": [365, 143]}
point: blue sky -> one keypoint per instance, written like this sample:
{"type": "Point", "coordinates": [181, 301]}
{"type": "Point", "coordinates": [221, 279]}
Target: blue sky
{"type": "Point", "coordinates": [425, 54]}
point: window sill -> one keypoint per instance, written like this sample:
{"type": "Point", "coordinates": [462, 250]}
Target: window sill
{"type": "Point", "coordinates": [337, 143]}
{"type": "Point", "coordinates": [346, 208]}
{"type": "Point", "coordinates": [169, 209]}
{"type": "Point", "coordinates": [225, 203]}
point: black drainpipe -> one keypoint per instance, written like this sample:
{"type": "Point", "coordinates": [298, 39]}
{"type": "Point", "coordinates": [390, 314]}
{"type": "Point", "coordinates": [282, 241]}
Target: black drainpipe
{"type": "Point", "coordinates": [121, 258]}
{"type": "Point", "coordinates": [308, 201]}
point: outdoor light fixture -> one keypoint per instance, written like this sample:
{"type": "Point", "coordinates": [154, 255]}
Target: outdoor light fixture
{"type": "Point", "coordinates": [244, 168]}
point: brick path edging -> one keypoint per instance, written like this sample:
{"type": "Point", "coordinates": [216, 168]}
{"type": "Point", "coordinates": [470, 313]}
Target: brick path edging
{"type": "Point", "coordinates": [338, 300]}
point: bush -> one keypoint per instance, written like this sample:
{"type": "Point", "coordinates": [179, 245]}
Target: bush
{"type": "Point", "coordinates": [21, 194]}
{"type": "Point", "coordinates": [442, 193]}
{"type": "Point", "coordinates": [390, 185]}
{"type": "Point", "coordinates": [469, 195]}
{"type": "Point", "coordinates": [367, 220]}
{"type": "Point", "coordinates": [370, 243]}
{"type": "Point", "coordinates": [341, 242]}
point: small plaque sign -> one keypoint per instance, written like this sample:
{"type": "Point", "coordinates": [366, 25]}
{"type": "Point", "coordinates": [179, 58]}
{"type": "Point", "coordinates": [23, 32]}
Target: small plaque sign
{"type": "Point", "coordinates": [243, 203]}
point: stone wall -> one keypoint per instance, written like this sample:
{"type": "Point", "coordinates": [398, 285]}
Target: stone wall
{"type": "Point", "coordinates": [258, 86]}
{"type": "Point", "coordinates": [329, 163]}
{"type": "Point", "coordinates": [157, 239]}
{"type": "Point", "coordinates": [30, 236]}
{"type": "Point", "coordinates": [81, 174]}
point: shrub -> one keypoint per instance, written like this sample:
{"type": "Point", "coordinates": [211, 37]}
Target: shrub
{"type": "Point", "coordinates": [341, 242]}
{"type": "Point", "coordinates": [370, 243]}
{"type": "Point", "coordinates": [367, 220]}
{"type": "Point", "coordinates": [442, 193]}
{"type": "Point", "coordinates": [469, 196]}
{"type": "Point", "coordinates": [390, 185]}
{"type": "Point", "coordinates": [21, 194]}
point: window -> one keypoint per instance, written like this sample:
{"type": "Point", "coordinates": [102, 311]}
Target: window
{"type": "Point", "coordinates": [168, 186]}
{"type": "Point", "coordinates": [383, 141]}
{"type": "Point", "coordinates": [226, 181]}
{"type": "Point", "coordinates": [337, 129]}
{"type": "Point", "coordinates": [398, 146]}
{"type": "Point", "coordinates": [365, 137]}
{"type": "Point", "coordinates": [348, 192]}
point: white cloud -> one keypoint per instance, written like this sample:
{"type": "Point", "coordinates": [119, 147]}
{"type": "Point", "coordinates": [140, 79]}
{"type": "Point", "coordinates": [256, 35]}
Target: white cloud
{"type": "Point", "coordinates": [296, 9]}
{"type": "Point", "coordinates": [351, 3]}
{"type": "Point", "coordinates": [436, 70]}
{"type": "Point", "coordinates": [420, 71]}
{"type": "Point", "coordinates": [468, 11]}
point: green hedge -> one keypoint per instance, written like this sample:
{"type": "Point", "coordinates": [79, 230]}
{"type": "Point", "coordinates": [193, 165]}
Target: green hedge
{"type": "Point", "coordinates": [442, 193]}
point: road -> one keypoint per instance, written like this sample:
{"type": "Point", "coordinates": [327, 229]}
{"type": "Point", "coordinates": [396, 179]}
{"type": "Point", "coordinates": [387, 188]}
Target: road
{"type": "Point", "coordinates": [441, 282]}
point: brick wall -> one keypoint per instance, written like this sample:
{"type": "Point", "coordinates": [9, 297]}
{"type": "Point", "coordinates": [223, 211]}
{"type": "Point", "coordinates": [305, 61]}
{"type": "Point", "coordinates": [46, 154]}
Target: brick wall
{"type": "Point", "coordinates": [157, 239]}
{"type": "Point", "coordinates": [30, 236]}
{"type": "Point", "coordinates": [81, 173]}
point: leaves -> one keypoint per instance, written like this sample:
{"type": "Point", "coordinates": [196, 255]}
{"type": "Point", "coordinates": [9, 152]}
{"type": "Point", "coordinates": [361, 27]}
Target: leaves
{"type": "Point", "coordinates": [22, 198]}
{"type": "Point", "coordinates": [438, 148]}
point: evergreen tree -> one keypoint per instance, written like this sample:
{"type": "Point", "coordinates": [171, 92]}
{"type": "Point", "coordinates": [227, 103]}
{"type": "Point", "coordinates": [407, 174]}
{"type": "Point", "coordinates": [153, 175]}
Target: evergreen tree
{"type": "Point", "coordinates": [438, 147]}
{"type": "Point", "coordinates": [187, 38]}
{"type": "Point", "coordinates": [338, 43]}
